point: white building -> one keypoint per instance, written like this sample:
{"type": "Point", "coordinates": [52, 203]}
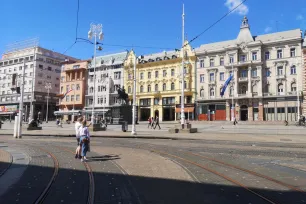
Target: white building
{"type": "Point", "coordinates": [267, 76]}
{"type": "Point", "coordinates": [109, 77]}
{"type": "Point", "coordinates": [41, 66]}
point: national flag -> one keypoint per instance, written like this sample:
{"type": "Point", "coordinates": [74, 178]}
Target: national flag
{"type": "Point", "coordinates": [226, 84]}
{"type": "Point", "coordinates": [67, 93]}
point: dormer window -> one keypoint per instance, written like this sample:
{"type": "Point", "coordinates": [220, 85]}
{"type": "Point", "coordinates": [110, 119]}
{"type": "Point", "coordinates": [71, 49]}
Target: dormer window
{"type": "Point", "coordinates": [174, 56]}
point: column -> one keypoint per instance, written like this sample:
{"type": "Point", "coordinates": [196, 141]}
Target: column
{"type": "Point", "coordinates": [250, 111]}
{"type": "Point", "coordinates": [260, 110]}
{"type": "Point", "coordinates": [249, 82]}
{"type": "Point", "coordinates": [228, 111]}
{"type": "Point", "coordinates": [236, 82]}
{"type": "Point", "coordinates": [237, 111]}
{"type": "Point", "coordinates": [259, 70]}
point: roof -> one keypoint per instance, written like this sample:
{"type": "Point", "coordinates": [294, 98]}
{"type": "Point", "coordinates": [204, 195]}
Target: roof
{"type": "Point", "coordinates": [160, 55]}
{"type": "Point", "coordinates": [112, 59]}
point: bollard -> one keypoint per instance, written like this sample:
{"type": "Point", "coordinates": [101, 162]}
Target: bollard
{"type": "Point", "coordinates": [16, 126]}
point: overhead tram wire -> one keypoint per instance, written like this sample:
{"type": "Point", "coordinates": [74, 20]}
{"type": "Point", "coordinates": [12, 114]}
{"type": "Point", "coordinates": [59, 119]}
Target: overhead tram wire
{"type": "Point", "coordinates": [212, 25]}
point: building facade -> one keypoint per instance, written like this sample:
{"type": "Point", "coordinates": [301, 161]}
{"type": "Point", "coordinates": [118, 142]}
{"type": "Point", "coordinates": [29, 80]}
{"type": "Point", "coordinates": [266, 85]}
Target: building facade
{"type": "Point", "coordinates": [109, 77]}
{"type": "Point", "coordinates": [158, 79]}
{"type": "Point", "coordinates": [73, 87]}
{"type": "Point", "coordinates": [304, 74]}
{"type": "Point", "coordinates": [267, 74]}
{"type": "Point", "coordinates": [41, 66]}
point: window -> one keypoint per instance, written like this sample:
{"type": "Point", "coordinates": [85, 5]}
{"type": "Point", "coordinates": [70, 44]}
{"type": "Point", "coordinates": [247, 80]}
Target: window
{"type": "Point", "coordinates": [172, 86]}
{"type": "Point", "coordinates": [91, 89]}
{"type": "Point", "coordinates": [254, 56]}
{"type": "Point", "coordinates": [211, 77]}
{"type": "Point", "coordinates": [279, 54]}
{"type": "Point", "coordinates": [242, 58]}
{"type": "Point", "coordinates": [164, 73]}
{"type": "Point", "coordinates": [202, 93]}
{"type": "Point", "coordinates": [292, 52]}
{"type": "Point", "coordinates": [293, 70]}
{"type": "Point", "coordinates": [168, 100]}
{"type": "Point", "coordinates": [243, 74]}
{"type": "Point", "coordinates": [231, 91]}
{"type": "Point", "coordinates": [211, 62]}
{"type": "Point", "coordinates": [156, 101]}
{"type": "Point", "coordinates": [201, 63]}
{"type": "Point", "coordinates": [268, 72]}
{"type": "Point", "coordinates": [164, 87]}
{"type": "Point", "coordinates": [185, 70]}
{"type": "Point", "coordinates": [72, 97]}
{"type": "Point", "coordinates": [145, 102]}
{"type": "Point", "coordinates": [172, 72]}
{"type": "Point", "coordinates": [67, 87]}
{"type": "Point", "coordinates": [254, 73]}
{"type": "Point", "coordinates": [91, 78]}
{"type": "Point", "coordinates": [32, 65]}
{"type": "Point", "coordinates": [62, 79]}
{"type": "Point", "coordinates": [267, 55]}
{"type": "Point", "coordinates": [149, 88]}
{"type": "Point", "coordinates": [117, 75]}
{"type": "Point", "coordinates": [77, 98]}
{"type": "Point", "coordinates": [221, 61]}
{"type": "Point", "coordinates": [267, 88]}
{"type": "Point", "coordinates": [185, 85]}
{"type": "Point", "coordinates": [221, 76]}
{"type": "Point", "coordinates": [156, 87]}
{"type": "Point", "coordinates": [293, 86]}
{"type": "Point", "coordinates": [141, 88]}
{"type": "Point", "coordinates": [212, 92]}
{"type": "Point", "coordinates": [141, 75]}
{"type": "Point", "coordinates": [67, 98]}
{"type": "Point", "coordinates": [156, 74]}
{"type": "Point", "coordinates": [243, 90]}
{"type": "Point", "coordinates": [62, 89]}
{"type": "Point", "coordinates": [202, 78]}
{"type": "Point", "coordinates": [231, 59]}
{"type": "Point", "coordinates": [129, 76]}
{"type": "Point", "coordinates": [78, 87]}
{"type": "Point", "coordinates": [280, 71]}
{"type": "Point", "coordinates": [149, 75]}
{"type": "Point", "coordinates": [129, 89]}
{"type": "Point", "coordinates": [280, 88]}
{"type": "Point", "coordinates": [48, 77]}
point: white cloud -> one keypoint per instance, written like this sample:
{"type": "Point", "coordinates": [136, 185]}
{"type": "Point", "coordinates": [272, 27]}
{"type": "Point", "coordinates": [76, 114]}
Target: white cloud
{"type": "Point", "coordinates": [299, 17]}
{"type": "Point", "coordinates": [241, 10]}
{"type": "Point", "coordinates": [268, 29]}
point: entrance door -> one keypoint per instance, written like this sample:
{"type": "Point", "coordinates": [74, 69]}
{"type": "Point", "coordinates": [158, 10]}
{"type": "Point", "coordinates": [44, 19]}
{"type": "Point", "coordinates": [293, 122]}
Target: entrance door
{"type": "Point", "coordinates": [156, 113]}
{"type": "Point", "coordinates": [168, 113]}
{"type": "Point", "coordinates": [145, 114]}
{"type": "Point", "coordinates": [243, 113]}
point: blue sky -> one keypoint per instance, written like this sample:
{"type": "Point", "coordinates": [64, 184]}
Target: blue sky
{"type": "Point", "coordinates": [140, 23]}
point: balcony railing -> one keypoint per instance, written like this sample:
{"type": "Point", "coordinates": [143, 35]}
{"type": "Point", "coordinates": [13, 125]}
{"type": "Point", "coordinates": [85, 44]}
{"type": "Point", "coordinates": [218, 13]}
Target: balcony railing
{"type": "Point", "coordinates": [280, 76]}
{"type": "Point", "coordinates": [292, 93]}
{"type": "Point", "coordinates": [243, 79]}
{"type": "Point", "coordinates": [267, 94]}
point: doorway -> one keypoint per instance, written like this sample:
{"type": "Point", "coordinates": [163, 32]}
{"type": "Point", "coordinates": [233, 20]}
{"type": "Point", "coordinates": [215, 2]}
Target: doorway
{"type": "Point", "coordinates": [243, 113]}
{"type": "Point", "coordinates": [156, 113]}
{"type": "Point", "coordinates": [145, 114]}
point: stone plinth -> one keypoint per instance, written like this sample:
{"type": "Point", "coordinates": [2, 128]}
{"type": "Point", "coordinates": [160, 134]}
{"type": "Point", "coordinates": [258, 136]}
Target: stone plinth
{"type": "Point", "coordinates": [187, 129]}
{"type": "Point", "coordinates": [96, 127]}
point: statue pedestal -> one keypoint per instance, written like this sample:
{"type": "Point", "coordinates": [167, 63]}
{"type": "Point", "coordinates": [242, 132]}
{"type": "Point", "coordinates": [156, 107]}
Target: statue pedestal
{"type": "Point", "coordinates": [186, 128]}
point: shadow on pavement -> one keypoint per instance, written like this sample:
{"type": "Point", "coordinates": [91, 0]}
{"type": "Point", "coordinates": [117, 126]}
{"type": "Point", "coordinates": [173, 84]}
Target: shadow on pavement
{"type": "Point", "coordinates": [113, 186]}
{"type": "Point", "coordinates": [103, 158]}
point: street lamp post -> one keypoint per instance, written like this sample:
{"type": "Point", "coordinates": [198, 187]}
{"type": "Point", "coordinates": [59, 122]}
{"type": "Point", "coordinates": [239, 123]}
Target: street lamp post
{"type": "Point", "coordinates": [48, 86]}
{"type": "Point", "coordinates": [95, 31]}
{"type": "Point", "coordinates": [32, 87]}
{"type": "Point", "coordinates": [134, 100]}
{"type": "Point", "coordinates": [183, 74]}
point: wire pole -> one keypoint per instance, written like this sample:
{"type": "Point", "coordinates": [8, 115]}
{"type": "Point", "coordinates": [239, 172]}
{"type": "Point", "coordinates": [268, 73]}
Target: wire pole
{"type": "Point", "coordinates": [183, 74]}
{"type": "Point", "coordinates": [134, 100]}
{"type": "Point", "coordinates": [48, 86]}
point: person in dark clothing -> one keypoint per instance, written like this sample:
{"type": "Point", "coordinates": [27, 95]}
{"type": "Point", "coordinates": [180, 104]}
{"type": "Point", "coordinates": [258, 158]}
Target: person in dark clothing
{"type": "Point", "coordinates": [157, 122]}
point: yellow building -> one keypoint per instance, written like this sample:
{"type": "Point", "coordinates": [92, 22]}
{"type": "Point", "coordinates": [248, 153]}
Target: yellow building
{"type": "Point", "coordinates": [158, 84]}
{"type": "Point", "coordinates": [73, 88]}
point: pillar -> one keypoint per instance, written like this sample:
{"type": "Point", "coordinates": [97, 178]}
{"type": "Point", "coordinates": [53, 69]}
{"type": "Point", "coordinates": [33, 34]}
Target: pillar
{"type": "Point", "coordinates": [260, 110]}
{"type": "Point", "coordinates": [250, 111]}
{"type": "Point", "coordinates": [249, 82]}
{"type": "Point", "coordinates": [237, 111]}
{"type": "Point", "coordinates": [228, 111]}
{"type": "Point", "coordinates": [236, 82]}
{"type": "Point", "coordinates": [259, 70]}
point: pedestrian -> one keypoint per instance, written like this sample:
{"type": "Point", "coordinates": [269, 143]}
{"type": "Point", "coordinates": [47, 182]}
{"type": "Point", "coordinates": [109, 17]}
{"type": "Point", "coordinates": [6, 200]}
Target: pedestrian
{"type": "Point", "coordinates": [157, 122]}
{"type": "Point", "coordinates": [152, 122]}
{"type": "Point", "coordinates": [84, 140]}
{"type": "Point", "coordinates": [149, 122]}
{"type": "Point", "coordinates": [77, 126]}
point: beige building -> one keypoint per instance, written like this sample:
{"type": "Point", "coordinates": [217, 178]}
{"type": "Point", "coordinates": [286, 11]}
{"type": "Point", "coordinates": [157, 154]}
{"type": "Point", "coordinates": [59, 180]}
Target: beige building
{"type": "Point", "coordinates": [158, 90]}
{"type": "Point", "coordinates": [266, 72]}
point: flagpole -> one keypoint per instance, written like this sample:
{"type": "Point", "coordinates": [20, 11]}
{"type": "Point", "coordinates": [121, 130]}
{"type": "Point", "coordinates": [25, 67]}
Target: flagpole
{"type": "Point", "coordinates": [233, 106]}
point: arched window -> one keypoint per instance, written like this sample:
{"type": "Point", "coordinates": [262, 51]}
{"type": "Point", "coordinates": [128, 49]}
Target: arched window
{"type": "Point", "coordinates": [293, 86]}
{"type": "Point", "coordinates": [212, 92]}
{"type": "Point", "coordinates": [172, 86]}
{"type": "Point", "coordinates": [185, 85]}
{"type": "Point", "coordinates": [91, 90]}
{"type": "Point", "coordinates": [202, 93]}
{"type": "Point", "coordinates": [293, 70]}
{"type": "Point", "coordinates": [156, 87]}
{"type": "Point", "coordinates": [149, 88]}
{"type": "Point", "coordinates": [141, 88]}
{"type": "Point", "coordinates": [164, 87]}
{"type": "Point", "coordinates": [254, 88]}
{"type": "Point", "coordinates": [280, 88]}
{"type": "Point", "coordinates": [267, 88]}
{"type": "Point", "coordinates": [129, 89]}
{"type": "Point", "coordinates": [243, 90]}
{"type": "Point", "coordinates": [231, 91]}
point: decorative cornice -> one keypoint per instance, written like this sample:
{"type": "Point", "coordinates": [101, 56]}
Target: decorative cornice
{"type": "Point", "coordinates": [280, 63]}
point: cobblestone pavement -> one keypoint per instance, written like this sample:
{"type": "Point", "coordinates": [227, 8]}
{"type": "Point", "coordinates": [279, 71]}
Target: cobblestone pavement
{"type": "Point", "coordinates": [152, 171]}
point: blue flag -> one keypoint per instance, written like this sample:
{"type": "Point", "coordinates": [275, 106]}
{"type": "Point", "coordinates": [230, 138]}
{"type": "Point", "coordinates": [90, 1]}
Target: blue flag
{"type": "Point", "coordinates": [225, 85]}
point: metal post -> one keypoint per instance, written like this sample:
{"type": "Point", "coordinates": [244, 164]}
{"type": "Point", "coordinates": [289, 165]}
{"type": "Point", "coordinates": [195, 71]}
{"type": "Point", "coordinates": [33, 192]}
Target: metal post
{"type": "Point", "coordinates": [19, 133]}
{"type": "Point", "coordinates": [297, 89]}
{"type": "Point", "coordinates": [48, 86]}
{"type": "Point", "coordinates": [73, 101]}
{"type": "Point", "coordinates": [182, 75]}
{"type": "Point", "coordinates": [233, 105]}
{"type": "Point", "coordinates": [134, 100]}
{"type": "Point", "coordinates": [32, 88]}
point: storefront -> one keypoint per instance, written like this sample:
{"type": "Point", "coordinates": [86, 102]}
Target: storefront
{"type": "Point", "coordinates": [211, 112]}
{"type": "Point", "coordinates": [188, 110]}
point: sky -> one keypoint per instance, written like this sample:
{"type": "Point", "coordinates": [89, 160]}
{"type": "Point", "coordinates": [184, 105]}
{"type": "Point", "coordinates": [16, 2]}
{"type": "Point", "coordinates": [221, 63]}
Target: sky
{"type": "Point", "coordinates": [146, 26]}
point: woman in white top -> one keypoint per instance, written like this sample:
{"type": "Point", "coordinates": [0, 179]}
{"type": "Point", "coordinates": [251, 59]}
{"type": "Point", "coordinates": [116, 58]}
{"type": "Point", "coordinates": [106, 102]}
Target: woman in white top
{"type": "Point", "coordinates": [77, 126]}
{"type": "Point", "coordinates": [84, 140]}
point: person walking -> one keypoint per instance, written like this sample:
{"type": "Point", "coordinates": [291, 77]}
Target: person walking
{"type": "Point", "coordinates": [77, 126]}
{"type": "Point", "coordinates": [84, 140]}
{"type": "Point", "coordinates": [157, 122]}
{"type": "Point", "coordinates": [152, 122]}
{"type": "Point", "coordinates": [149, 122]}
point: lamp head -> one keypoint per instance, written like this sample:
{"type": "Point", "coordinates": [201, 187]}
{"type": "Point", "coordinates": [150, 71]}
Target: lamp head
{"type": "Point", "coordinates": [100, 48]}
{"type": "Point", "coordinates": [101, 36]}
{"type": "Point", "coordinates": [89, 34]}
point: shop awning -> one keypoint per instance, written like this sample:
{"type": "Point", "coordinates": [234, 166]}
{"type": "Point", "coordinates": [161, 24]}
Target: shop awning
{"type": "Point", "coordinates": [186, 110]}
{"type": "Point", "coordinates": [7, 113]}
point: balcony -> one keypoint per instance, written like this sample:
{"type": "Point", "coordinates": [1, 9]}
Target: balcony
{"type": "Point", "coordinates": [280, 93]}
{"type": "Point", "coordinates": [281, 76]}
{"type": "Point", "coordinates": [292, 93]}
{"type": "Point", "coordinates": [267, 94]}
{"type": "Point", "coordinates": [255, 77]}
{"type": "Point", "coordinates": [243, 79]}
{"type": "Point", "coordinates": [242, 95]}
{"type": "Point", "coordinates": [254, 94]}
{"type": "Point", "coordinates": [212, 82]}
